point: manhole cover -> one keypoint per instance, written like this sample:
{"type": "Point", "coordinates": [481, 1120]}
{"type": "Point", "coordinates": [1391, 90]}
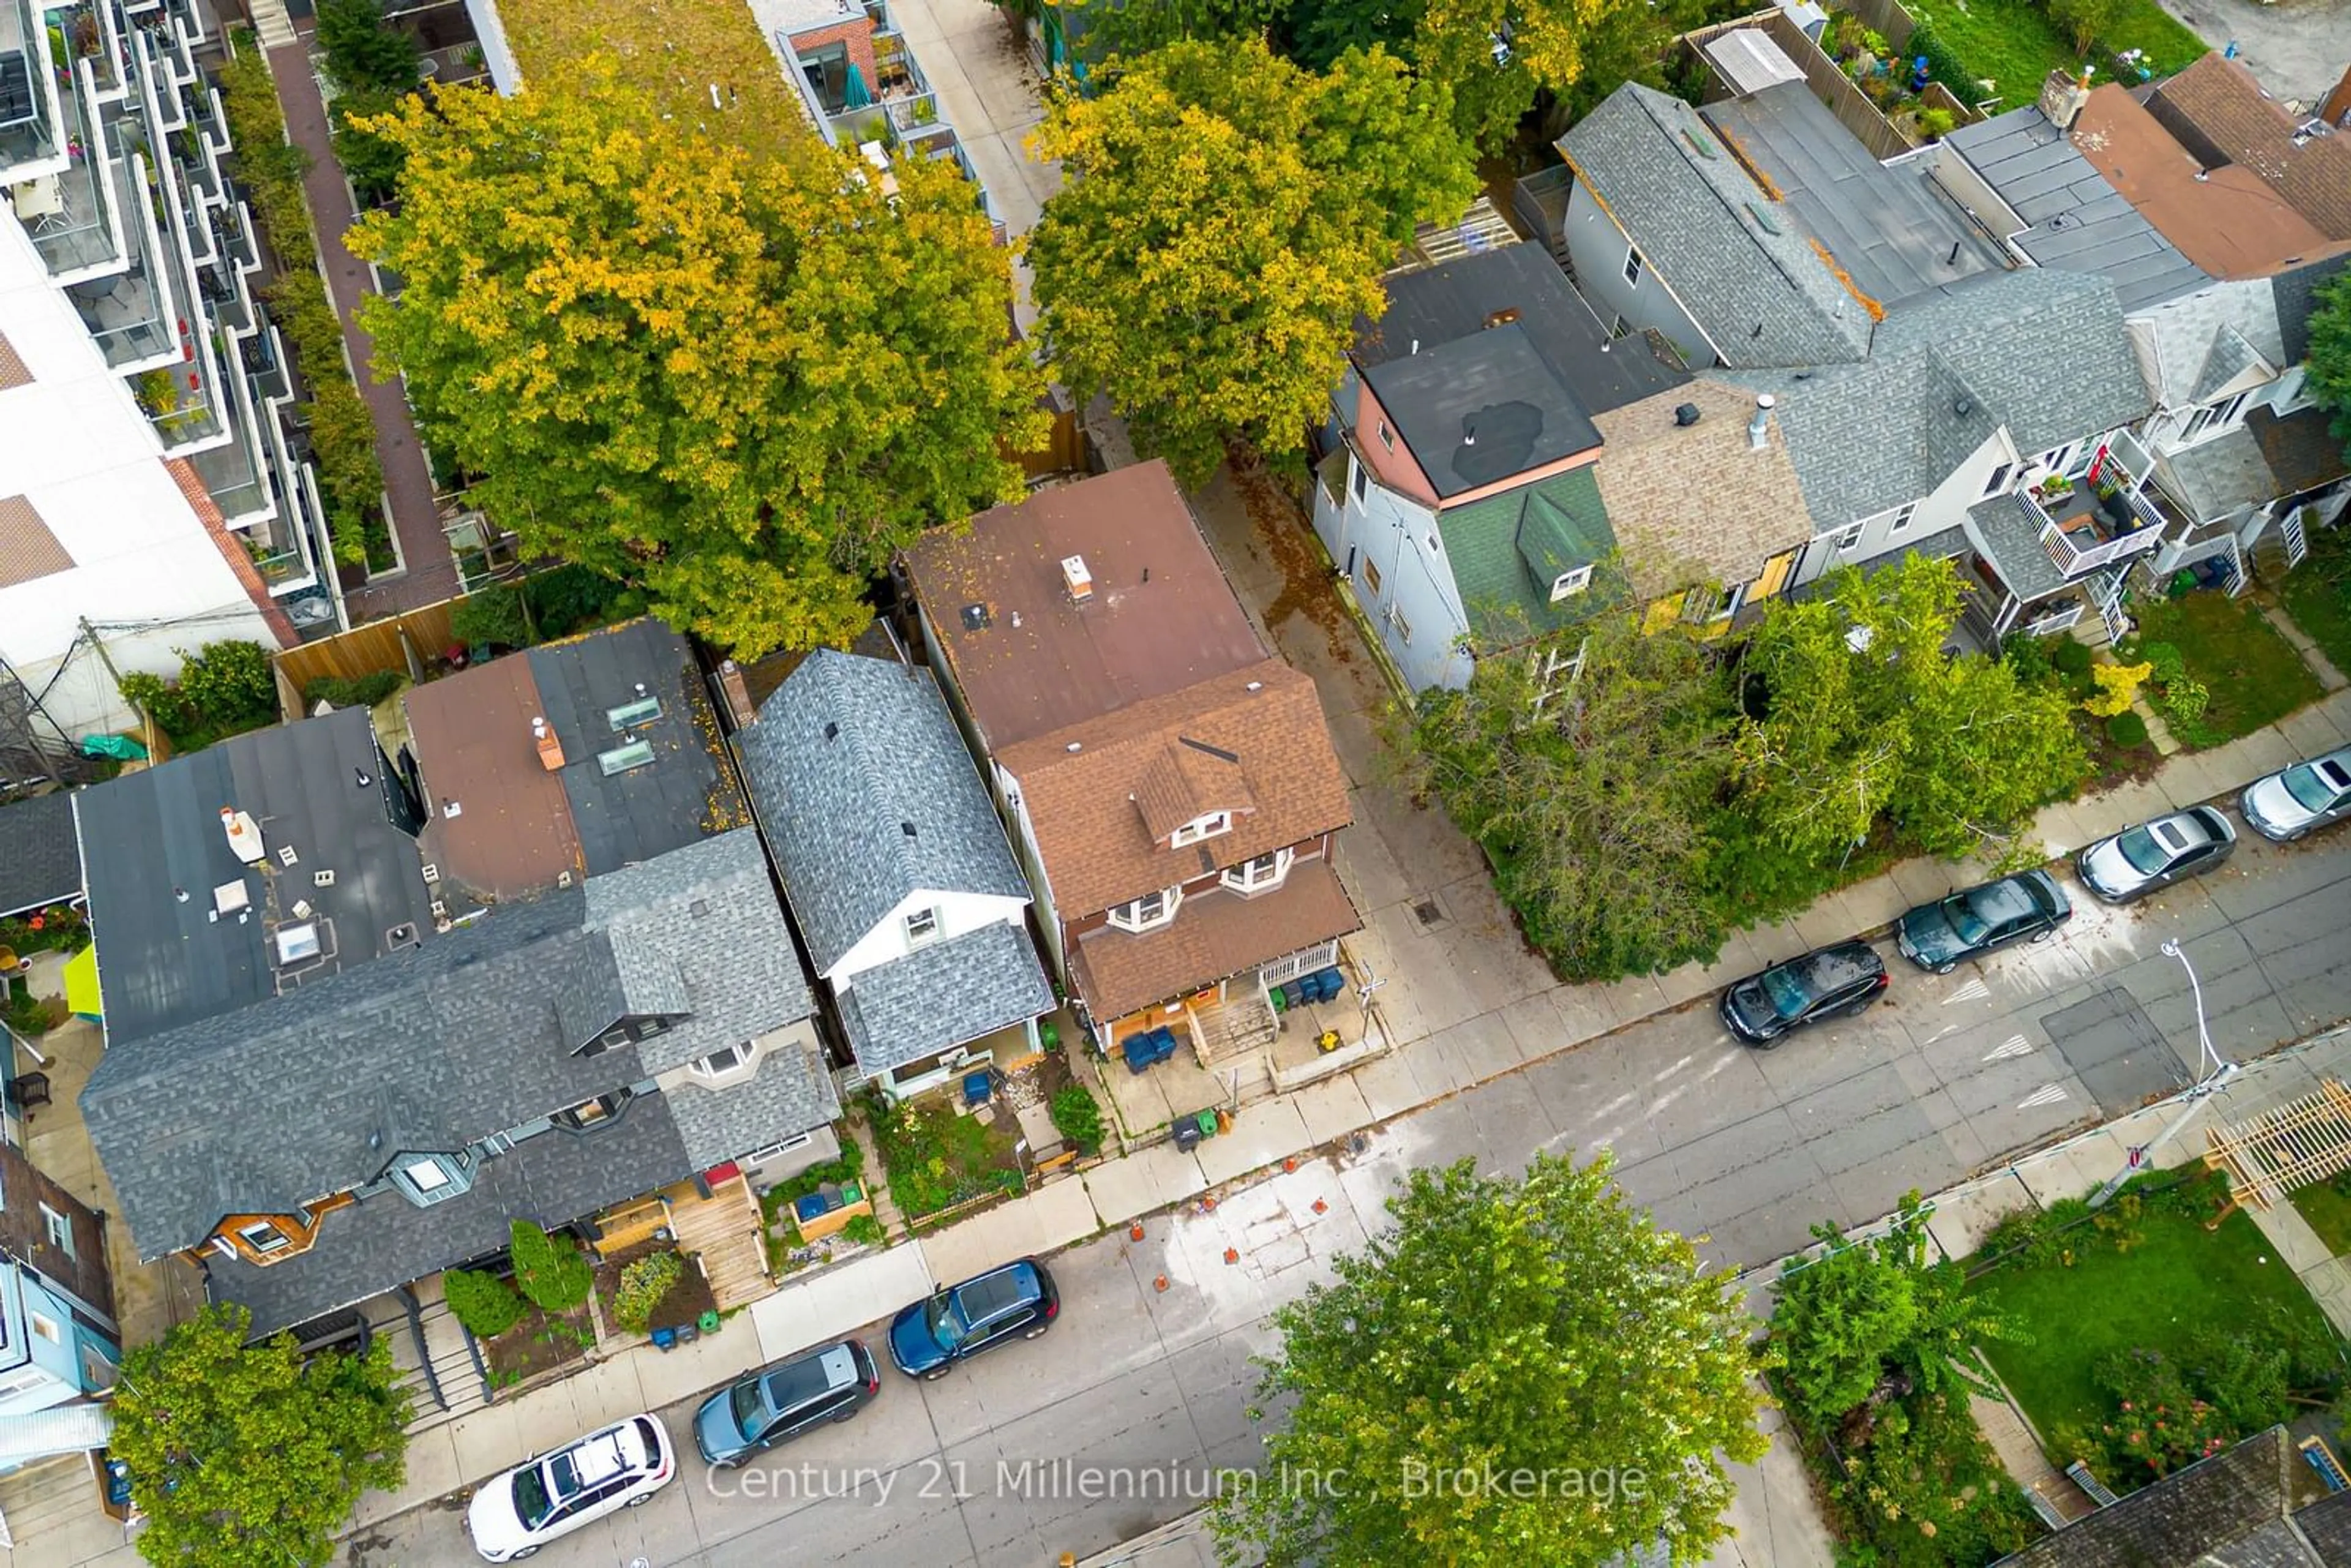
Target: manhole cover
{"type": "Point", "coordinates": [1428, 911]}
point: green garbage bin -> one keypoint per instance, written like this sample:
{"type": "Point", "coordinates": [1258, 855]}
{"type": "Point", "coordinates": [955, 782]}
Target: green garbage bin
{"type": "Point", "coordinates": [1206, 1122]}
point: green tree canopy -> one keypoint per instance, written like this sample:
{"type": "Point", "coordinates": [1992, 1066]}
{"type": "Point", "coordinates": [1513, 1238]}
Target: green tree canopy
{"type": "Point", "coordinates": [1226, 219]}
{"type": "Point", "coordinates": [1590, 786]}
{"type": "Point", "coordinates": [734, 384]}
{"type": "Point", "coordinates": [1544, 1327]}
{"type": "Point", "coordinates": [1855, 715]}
{"type": "Point", "coordinates": [251, 1457]}
{"type": "Point", "coordinates": [2328, 371]}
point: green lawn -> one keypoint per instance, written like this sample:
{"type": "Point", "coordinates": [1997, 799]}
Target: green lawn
{"type": "Point", "coordinates": [2317, 594]}
{"type": "Point", "coordinates": [2179, 1281]}
{"type": "Point", "coordinates": [2015, 44]}
{"type": "Point", "coordinates": [2328, 1208]}
{"type": "Point", "coordinates": [2253, 674]}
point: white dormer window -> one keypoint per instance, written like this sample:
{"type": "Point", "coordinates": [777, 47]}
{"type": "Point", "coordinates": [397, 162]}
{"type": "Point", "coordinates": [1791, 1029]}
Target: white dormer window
{"type": "Point", "coordinates": [922, 925]}
{"type": "Point", "coordinates": [721, 1063]}
{"type": "Point", "coordinates": [1199, 827]}
{"type": "Point", "coordinates": [1148, 913]}
{"type": "Point", "coordinates": [1257, 875]}
{"type": "Point", "coordinates": [1568, 584]}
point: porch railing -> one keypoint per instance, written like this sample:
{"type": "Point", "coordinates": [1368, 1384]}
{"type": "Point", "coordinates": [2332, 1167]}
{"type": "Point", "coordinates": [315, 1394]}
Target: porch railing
{"type": "Point", "coordinates": [2073, 559]}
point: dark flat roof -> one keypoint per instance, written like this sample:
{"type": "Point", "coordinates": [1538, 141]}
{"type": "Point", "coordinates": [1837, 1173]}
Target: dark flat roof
{"type": "Point", "coordinates": [40, 857]}
{"type": "Point", "coordinates": [1026, 659]}
{"type": "Point", "coordinates": [1437, 305]}
{"type": "Point", "coordinates": [1890, 230]}
{"type": "Point", "coordinates": [319, 787]}
{"type": "Point", "coordinates": [2075, 221]}
{"type": "Point", "coordinates": [1481, 409]}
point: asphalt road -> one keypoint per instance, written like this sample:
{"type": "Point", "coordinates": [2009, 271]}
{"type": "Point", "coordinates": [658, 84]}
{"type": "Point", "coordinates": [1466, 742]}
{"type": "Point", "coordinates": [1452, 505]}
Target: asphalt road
{"type": "Point", "coordinates": [1128, 1411]}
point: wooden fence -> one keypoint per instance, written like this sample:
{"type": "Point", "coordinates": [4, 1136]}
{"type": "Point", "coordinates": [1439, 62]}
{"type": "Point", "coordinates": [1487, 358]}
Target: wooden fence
{"type": "Point", "coordinates": [1886, 18]}
{"type": "Point", "coordinates": [364, 650]}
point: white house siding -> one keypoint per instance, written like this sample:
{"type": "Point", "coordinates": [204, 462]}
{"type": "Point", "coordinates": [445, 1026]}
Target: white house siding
{"type": "Point", "coordinates": [959, 914]}
{"type": "Point", "coordinates": [1389, 533]}
{"type": "Point", "coordinates": [1596, 248]}
{"type": "Point", "coordinates": [74, 444]}
{"type": "Point", "coordinates": [1023, 838]}
{"type": "Point", "coordinates": [490, 32]}
{"type": "Point", "coordinates": [1946, 506]}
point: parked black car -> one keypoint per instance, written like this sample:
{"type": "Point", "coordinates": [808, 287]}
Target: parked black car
{"type": "Point", "coordinates": [2138, 860]}
{"type": "Point", "coordinates": [1828, 982]}
{"type": "Point", "coordinates": [779, 1402]}
{"type": "Point", "coordinates": [957, 1322]}
{"type": "Point", "coordinates": [2027, 908]}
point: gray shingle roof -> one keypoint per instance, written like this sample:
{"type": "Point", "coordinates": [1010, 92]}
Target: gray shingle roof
{"type": "Point", "coordinates": [2218, 477]}
{"type": "Point", "coordinates": [1739, 261]}
{"type": "Point", "coordinates": [2078, 223]}
{"type": "Point", "coordinates": [1948, 368]}
{"type": "Point", "coordinates": [790, 1093]}
{"type": "Point", "coordinates": [40, 854]}
{"type": "Point", "coordinates": [2011, 537]}
{"type": "Point", "coordinates": [942, 995]}
{"type": "Point", "coordinates": [835, 808]}
{"type": "Point", "coordinates": [2189, 348]}
{"type": "Point", "coordinates": [434, 1047]}
{"type": "Point", "coordinates": [2297, 297]}
{"type": "Point", "coordinates": [2231, 1508]}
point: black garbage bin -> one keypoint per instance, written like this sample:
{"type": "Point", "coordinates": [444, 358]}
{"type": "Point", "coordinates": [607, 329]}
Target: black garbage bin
{"type": "Point", "coordinates": [1188, 1133]}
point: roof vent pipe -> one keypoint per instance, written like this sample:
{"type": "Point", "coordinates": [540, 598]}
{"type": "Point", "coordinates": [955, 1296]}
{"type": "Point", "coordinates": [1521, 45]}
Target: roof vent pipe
{"type": "Point", "coordinates": [1758, 429]}
{"type": "Point", "coordinates": [1687, 415]}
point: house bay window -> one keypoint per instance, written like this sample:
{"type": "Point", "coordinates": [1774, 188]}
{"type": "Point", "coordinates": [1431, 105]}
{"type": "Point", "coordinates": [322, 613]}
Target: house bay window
{"type": "Point", "coordinates": [1148, 913]}
{"type": "Point", "coordinates": [1257, 875]}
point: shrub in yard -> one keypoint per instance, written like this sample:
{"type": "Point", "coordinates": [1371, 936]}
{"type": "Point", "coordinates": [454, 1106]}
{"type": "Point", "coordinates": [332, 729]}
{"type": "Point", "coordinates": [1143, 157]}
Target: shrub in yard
{"type": "Point", "coordinates": [230, 684]}
{"type": "Point", "coordinates": [643, 1283]}
{"type": "Point", "coordinates": [549, 1269]}
{"type": "Point", "coordinates": [2127, 730]}
{"type": "Point", "coordinates": [485, 1303]}
{"type": "Point", "coordinates": [2184, 701]}
{"type": "Point", "coordinates": [2083, 22]}
{"type": "Point", "coordinates": [2072, 657]}
{"type": "Point", "coordinates": [366, 690]}
{"type": "Point", "coordinates": [1078, 1118]}
{"type": "Point", "coordinates": [2118, 685]}
{"type": "Point", "coordinates": [492, 617]}
{"type": "Point", "coordinates": [2169, 665]}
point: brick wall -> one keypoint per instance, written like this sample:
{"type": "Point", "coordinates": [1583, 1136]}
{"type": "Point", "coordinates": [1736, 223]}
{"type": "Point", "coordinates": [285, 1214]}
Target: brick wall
{"type": "Point", "coordinates": [857, 32]}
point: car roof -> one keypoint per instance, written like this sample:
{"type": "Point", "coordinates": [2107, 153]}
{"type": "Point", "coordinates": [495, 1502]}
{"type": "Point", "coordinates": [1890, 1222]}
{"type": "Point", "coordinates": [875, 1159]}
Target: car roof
{"type": "Point", "coordinates": [2334, 767]}
{"type": "Point", "coordinates": [2006, 899]}
{"type": "Point", "coordinates": [2181, 830]}
{"type": "Point", "coordinates": [809, 1376]}
{"type": "Point", "coordinates": [999, 1290]}
{"type": "Point", "coordinates": [1826, 968]}
{"type": "Point", "coordinates": [594, 1459]}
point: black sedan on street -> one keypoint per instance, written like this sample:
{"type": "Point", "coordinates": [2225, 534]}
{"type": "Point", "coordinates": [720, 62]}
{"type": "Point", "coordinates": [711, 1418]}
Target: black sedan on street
{"type": "Point", "coordinates": [1828, 982]}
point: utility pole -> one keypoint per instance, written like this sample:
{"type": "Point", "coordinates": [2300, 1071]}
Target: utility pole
{"type": "Point", "coordinates": [2142, 1157]}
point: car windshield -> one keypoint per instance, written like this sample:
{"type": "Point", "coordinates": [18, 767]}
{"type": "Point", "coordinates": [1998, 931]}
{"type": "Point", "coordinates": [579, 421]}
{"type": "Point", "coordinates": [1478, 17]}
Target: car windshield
{"type": "Point", "coordinates": [532, 1505]}
{"type": "Point", "coordinates": [2310, 791]}
{"type": "Point", "coordinates": [946, 1325]}
{"type": "Point", "coordinates": [1790, 995]}
{"type": "Point", "coordinates": [750, 1410]}
{"type": "Point", "coordinates": [1966, 924]}
{"type": "Point", "coordinates": [2139, 848]}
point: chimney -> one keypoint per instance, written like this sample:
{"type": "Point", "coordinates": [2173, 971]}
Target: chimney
{"type": "Point", "coordinates": [550, 750]}
{"type": "Point", "coordinates": [1758, 429]}
{"type": "Point", "coordinates": [1687, 414]}
{"type": "Point", "coordinates": [1501, 318]}
{"type": "Point", "coordinates": [2062, 98]}
{"type": "Point", "coordinates": [737, 693]}
{"type": "Point", "coordinates": [243, 835]}
{"type": "Point", "coordinates": [1077, 578]}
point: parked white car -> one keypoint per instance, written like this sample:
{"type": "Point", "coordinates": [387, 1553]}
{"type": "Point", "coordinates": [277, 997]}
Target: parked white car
{"type": "Point", "coordinates": [621, 1466]}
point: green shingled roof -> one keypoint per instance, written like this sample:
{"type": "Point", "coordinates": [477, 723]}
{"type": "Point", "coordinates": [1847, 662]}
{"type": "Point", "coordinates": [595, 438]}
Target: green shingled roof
{"type": "Point", "coordinates": [1506, 550]}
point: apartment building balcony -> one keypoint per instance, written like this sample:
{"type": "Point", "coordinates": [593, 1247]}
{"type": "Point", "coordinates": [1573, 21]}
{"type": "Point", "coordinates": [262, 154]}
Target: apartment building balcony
{"type": "Point", "coordinates": [71, 216]}
{"type": "Point", "coordinates": [32, 131]}
{"type": "Point", "coordinates": [899, 111]}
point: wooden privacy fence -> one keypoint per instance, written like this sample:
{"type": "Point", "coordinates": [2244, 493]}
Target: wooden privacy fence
{"type": "Point", "coordinates": [1886, 18]}
{"type": "Point", "coordinates": [364, 650]}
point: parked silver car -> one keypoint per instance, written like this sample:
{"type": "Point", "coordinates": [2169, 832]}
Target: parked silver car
{"type": "Point", "coordinates": [2138, 860]}
{"type": "Point", "coordinates": [2296, 800]}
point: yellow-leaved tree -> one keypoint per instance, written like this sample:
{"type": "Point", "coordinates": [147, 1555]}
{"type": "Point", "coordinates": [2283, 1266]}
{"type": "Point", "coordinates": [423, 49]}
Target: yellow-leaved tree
{"type": "Point", "coordinates": [735, 382]}
{"type": "Point", "coordinates": [1226, 217]}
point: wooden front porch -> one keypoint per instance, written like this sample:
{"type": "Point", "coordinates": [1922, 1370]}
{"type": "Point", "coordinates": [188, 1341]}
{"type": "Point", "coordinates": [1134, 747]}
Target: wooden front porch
{"type": "Point", "coordinates": [720, 1233]}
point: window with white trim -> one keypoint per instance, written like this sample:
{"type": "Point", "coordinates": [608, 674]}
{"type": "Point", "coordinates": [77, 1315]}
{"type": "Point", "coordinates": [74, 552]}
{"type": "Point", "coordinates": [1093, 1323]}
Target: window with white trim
{"type": "Point", "coordinates": [1199, 828]}
{"type": "Point", "coordinates": [1999, 480]}
{"type": "Point", "coordinates": [727, 1059]}
{"type": "Point", "coordinates": [1568, 584]}
{"type": "Point", "coordinates": [1387, 437]}
{"type": "Point", "coordinates": [1403, 626]}
{"type": "Point", "coordinates": [1847, 536]}
{"type": "Point", "coordinates": [1257, 875]}
{"type": "Point", "coordinates": [1148, 913]}
{"type": "Point", "coordinates": [1902, 515]}
{"type": "Point", "coordinates": [922, 925]}
{"type": "Point", "coordinates": [263, 1237]}
{"type": "Point", "coordinates": [58, 1228]}
{"type": "Point", "coordinates": [1632, 266]}
{"type": "Point", "coordinates": [1362, 480]}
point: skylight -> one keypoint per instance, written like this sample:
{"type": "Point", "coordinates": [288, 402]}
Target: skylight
{"type": "Point", "coordinates": [636, 754]}
{"type": "Point", "coordinates": [629, 715]}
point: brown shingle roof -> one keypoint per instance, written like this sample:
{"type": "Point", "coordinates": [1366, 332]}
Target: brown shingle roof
{"type": "Point", "coordinates": [28, 550]}
{"type": "Point", "coordinates": [13, 370]}
{"type": "Point", "coordinates": [1161, 615]}
{"type": "Point", "coordinates": [1215, 934]}
{"type": "Point", "coordinates": [2230, 223]}
{"type": "Point", "coordinates": [514, 832]}
{"type": "Point", "coordinates": [1087, 805]}
{"type": "Point", "coordinates": [1696, 496]}
{"type": "Point", "coordinates": [2222, 115]}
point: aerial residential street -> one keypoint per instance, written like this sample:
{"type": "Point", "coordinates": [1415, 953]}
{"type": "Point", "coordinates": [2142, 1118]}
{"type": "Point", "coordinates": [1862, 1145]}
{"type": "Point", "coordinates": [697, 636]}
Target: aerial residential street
{"type": "Point", "coordinates": [1147, 1390]}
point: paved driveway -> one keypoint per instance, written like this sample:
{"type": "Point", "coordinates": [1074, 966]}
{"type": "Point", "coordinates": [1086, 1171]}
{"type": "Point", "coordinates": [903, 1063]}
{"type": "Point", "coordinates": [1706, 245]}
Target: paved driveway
{"type": "Point", "coordinates": [2296, 49]}
{"type": "Point", "coordinates": [1123, 1415]}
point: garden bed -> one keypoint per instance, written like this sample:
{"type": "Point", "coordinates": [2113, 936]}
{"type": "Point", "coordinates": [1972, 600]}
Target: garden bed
{"type": "Point", "coordinates": [537, 1344]}
{"type": "Point", "coordinates": [683, 1305]}
{"type": "Point", "coordinates": [2144, 1276]}
{"type": "Point", "coordinates": [2250, 676]}
{"type": "Point", "coordinates": [935, 1159]}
